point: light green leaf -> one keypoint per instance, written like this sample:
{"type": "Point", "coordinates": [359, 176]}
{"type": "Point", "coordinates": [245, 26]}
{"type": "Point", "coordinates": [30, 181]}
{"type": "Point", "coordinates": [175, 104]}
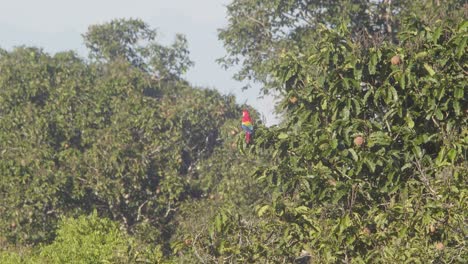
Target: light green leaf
{"type": "Point", "coordinates": [354, 154]}
{"type": "Point", "coordinates": [372, 63]}
{"type": "Point", "coordinates": [402, 82]}
{"type": "Point", "coordinates": [429, 69]}
{"type": "Point", "coordinates": [421, 54]}
{"type": "Point", "coordinates": [439, 114]}
{"type": "Point", "coordinates": [463, 26]}
{"type": "Point", "coordinates": [456, 107]}
{"type": "Point", "coordinates": [452, 154]}
{"type": "Point", "coordinates": [459, 91]}
{"type": "Point", "coordinates": [302, 209]}
{"type": "Point", "coordinates": [370, 164]}
{"type": "Point", "coordinates": [394, 93]}
{"type": "Point", "coordinates": [409, 121]}
{"type": "Point", "coordinates": [218, 223]}
{"type": "Point", "coordinates": [324, 104]}
{"type": "Point", "coordinates": [262, 210]}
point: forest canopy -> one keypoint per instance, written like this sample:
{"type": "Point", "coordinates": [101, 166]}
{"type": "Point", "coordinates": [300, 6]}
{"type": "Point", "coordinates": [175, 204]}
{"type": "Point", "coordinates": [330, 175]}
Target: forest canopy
{"type": "Point", "coordinates": [116, 158]}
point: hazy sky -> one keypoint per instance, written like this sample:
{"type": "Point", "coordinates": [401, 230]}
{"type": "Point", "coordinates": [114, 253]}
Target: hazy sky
{"type": "Point", "coordinates": [57, 25]}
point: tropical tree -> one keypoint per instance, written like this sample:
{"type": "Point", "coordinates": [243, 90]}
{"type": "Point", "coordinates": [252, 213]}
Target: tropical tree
{"type": "Point", "coordinates": [133, 40]}
{"type": "Point", "coordinates": [104, 135]}
{"type": "Point", "coordinates": [261, 31]}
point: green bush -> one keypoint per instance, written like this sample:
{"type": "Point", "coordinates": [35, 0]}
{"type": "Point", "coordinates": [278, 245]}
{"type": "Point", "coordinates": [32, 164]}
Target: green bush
{"type": "Point", "coordinates": [9, 257]}
{"type": "Point", "coordinates": [90, 239]}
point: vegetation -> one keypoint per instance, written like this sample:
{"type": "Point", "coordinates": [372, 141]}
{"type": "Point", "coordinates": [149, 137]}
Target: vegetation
{"type": "Point", "coordinates": [117, 159]}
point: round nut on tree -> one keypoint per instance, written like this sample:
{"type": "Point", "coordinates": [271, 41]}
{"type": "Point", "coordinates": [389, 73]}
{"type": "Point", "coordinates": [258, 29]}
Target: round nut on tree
{"type": "Point", "coordinates": [439, 246]}
{"type": "Point", "coordinates": [293, 99]}
{"type": "Point", "coordinates": [366, 231]}
{"type": "Point", "coordinates": [233, 132]}
{"type": "Point", "coordinates": [358, 141]}
{"type": "Point", "coordinates": [396, 60]}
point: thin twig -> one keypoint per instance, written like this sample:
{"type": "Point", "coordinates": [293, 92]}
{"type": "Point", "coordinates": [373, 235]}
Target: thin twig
{"type": "Point", "coordinates": [194, 247]}
{"type": "Point", "coordinates": [139, 210]}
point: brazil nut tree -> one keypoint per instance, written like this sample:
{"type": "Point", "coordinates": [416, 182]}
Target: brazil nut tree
{"type": "Point", "coordinates": [369, 162]}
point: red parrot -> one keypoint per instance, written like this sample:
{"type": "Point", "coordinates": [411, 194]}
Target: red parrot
{"type": "Point", "coordinates": [247, 125]}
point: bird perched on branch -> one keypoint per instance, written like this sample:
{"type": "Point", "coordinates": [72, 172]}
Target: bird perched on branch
{"type": "Point", "coordinates": [247, 125]}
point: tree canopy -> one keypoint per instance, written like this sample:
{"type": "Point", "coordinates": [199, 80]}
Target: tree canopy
{"type": "Point", "coordinates": [119, 159]}
{"type": "Point", "coordinates": [133, 40]}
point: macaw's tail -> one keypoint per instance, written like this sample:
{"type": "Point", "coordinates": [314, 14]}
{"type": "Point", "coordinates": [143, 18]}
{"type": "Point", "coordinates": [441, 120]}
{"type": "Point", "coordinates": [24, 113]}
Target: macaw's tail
{"type": "Point", "coordinates": [247, 137]}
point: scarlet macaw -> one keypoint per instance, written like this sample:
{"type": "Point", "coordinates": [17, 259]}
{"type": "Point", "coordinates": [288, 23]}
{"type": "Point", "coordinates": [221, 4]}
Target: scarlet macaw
{"type": "Point", "coordinates": [247, 125]}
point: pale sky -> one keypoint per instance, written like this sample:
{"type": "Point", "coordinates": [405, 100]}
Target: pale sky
{"type": "Point", "coordinates": [57, 25]}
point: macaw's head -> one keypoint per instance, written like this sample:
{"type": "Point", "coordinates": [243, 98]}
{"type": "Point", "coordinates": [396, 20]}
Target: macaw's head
{"type": "Point", "coordinates": [245, 112]}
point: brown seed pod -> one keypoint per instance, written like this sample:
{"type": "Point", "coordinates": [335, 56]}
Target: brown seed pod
{"type": "Point", "coordinates": [396, 60]}
{"type": "Point", "coordinates": [439, 246]}
{"type": "Point", "coordinates": [293, 99]}
{"type": "Point", "coordinates": [366, 231]}
{"type": "Point", "coordinates": [358, 141]}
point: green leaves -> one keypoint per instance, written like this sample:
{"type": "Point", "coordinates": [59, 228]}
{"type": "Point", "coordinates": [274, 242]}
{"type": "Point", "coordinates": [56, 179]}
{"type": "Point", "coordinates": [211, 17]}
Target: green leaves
{"type": "Point", "coordinates": [373, 62]}
{"type": "Point", "coordinates": [459, 92]}
{"type": "Point", "coordinates": [94, 240]}
{"type": "Point", "coordinates": [409, 121]}
{"type": "Point", "coordinates": [77, 136]}
{"type": "Point", "coordinates": [429, 69]}
{"type": "Point", "coordinates": [263, 209]}
{"type": "Point", "coordinates": [380, 137]}
{"type": "Point", "coordinates": [283, 136]}
{"type": "Point", "coordinates": [367, 164]}
{"type": "Point", "coordinates": [121, 39]}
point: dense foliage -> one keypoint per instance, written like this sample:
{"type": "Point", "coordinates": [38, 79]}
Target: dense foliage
{"type": "Point", "coordinates": [369, 164]}
{"type": "Point", "coordinates": [118, 159]}
{"type": "Point", "coordinates": [107, 135]}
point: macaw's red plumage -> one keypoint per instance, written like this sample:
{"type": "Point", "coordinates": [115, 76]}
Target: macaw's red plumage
{"type": "Point", "coordinates": [247, 125]}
